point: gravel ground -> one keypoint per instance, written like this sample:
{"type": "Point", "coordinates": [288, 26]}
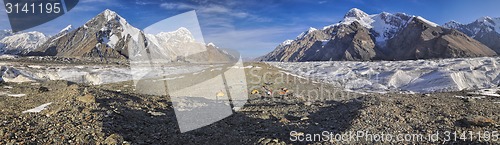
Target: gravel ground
{"type": "Point", "coordinates": [116, 114]}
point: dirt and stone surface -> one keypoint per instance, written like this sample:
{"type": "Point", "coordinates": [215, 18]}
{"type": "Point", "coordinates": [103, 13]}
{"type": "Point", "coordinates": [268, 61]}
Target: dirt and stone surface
{"type": "Point", "coordinates": [117, 114]}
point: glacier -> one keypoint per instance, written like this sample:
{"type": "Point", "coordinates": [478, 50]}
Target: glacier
{"type": "Point", "coordinates": [414, 76]}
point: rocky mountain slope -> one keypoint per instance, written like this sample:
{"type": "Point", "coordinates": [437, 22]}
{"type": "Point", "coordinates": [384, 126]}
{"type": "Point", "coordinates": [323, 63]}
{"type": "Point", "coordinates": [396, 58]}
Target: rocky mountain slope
{"type": "Point", "coordinates": [108, 35]}
{"type": "Point", "coordinates": [486, 30]}
{"type": "Point", "coordinates": [383, 36]}
{"type": "Point", "coordinates": [20, 43]}
{"type": "Point", "coordinates": [424, 40]}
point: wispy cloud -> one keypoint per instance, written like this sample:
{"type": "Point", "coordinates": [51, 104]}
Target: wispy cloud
{"type": "Point", "coordinates": [207, 10]}
{"type": "Point", "coordinates": [146, 2]}
{"type": "Point", "coordinates": [254, 42]}
{"type": "Point", "coordinates": [178, 6]}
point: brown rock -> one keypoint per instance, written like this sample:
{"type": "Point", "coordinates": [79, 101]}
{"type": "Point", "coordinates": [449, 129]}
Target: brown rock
{"type": "Point", "coordinates": [284, 120]}
{"type": "Point", "coordinates": [87, 98]}
{"type": "Point", "coordinates": [478, 121]}
{"type": "Point", "coordinates": [114, 139]}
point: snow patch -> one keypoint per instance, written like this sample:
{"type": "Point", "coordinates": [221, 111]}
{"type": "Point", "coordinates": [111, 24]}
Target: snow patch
{"type": "Point", "coordinates": [304, 34]}
{"type": "Point", "coordinates": [66, 29]}
{"type": "Point", "coordinates": [286, 42]}
{"type": "Point", "coordinates": [16, 95]}
{"type": "Point", "coordinates": [211, 44]}
{"type": "Point", "coordinates": [476, 98]}
{"type": "Point", "coordinates": [38, 109]}
{"type": "Point", "coordinates": [427, 21]}
{"type": "Point", "coordinates": [487, 92]}
{"type": "Point", "coordinates": [6, 56]}
{"type": "Point", "coordinates": [324, 42]}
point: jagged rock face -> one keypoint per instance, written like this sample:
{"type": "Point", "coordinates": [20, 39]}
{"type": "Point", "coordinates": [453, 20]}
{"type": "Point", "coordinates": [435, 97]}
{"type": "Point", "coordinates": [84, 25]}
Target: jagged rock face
{"type": "Point", "coordinates": [384, 36]}
{"type": "Point", "coordinates": [303, 47]}
{"type": "Point", "coordinates": [486, 30]}
{"type": "Point", "coordinates": [351, 42]}
{"type": "Point", "coordinates": [420, 40]}
{"type": "Point", "coordinates": [343, 42]}
{"type": "Point", "coordinates": [490, 39]}
{"type": "Point", "coordinates": [103, 36]}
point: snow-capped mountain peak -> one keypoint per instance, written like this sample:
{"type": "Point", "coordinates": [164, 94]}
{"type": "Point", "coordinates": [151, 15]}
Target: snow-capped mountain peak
{"type": "Point", "coordinates": [286, 42]}
{"type": "Point", "coordinates": [376, 36]}
{"type": "Point", "coordinates": [110, 15]}
{"type": "Point", "coordinates": [384, 24]}
{"type": "Point", "coordinates": [303, 34]}
{"type": "Point", "coordinates": [211, 44]}
{"type": "Point", "coordinates": [481, 25]}
{"type": "Point", "coordinates": [484, 19]}
{"type": "Point", "coordinates": [181, 33]}
{"type": "Point", "coordinates": [66, 29]}
{"type": "Point", "coordinates": [493, 23]}
{"type": "Point", "coordinates": [452, 24]}
{"type": "Point", "coordinates": [485, 29]}
{"type": "Point", "coordinates": [113, 27]}
{"type": "Point", "coordinates": [356, 13]}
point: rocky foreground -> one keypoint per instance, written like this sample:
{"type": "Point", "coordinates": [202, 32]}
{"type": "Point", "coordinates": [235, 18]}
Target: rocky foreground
{"type": "Point", "coordinates": [116, 114]}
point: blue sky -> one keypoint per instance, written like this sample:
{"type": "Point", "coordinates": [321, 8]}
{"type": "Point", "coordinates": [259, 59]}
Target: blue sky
{"type": "Point", "coordinates": [257, 27]}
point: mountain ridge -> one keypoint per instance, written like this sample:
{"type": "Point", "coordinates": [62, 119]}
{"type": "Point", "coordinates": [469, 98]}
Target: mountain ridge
{"type": "Point", "coordinates": [108, 35]}
{"type": "Point", "coordinates": [20, 43]}
{"type": "Point", "coordinates": [363, 37]}
{"type": "Point", "coordinates": [485, 29]}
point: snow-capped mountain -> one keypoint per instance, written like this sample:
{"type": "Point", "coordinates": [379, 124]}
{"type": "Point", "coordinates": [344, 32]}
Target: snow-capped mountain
{"type": "Point", "coordinates": [170, 43]}
{"type": "Point", "coordinates": [384, 25]}
{"type": "Point", "coordinates": [481, 25]}
{"type": "Point", "coordinates": [360, 36]}
{"type": "Point", "coordinates": [108, 35]}
{"type": "Point", "coordinates": [486, 30]}
{"type": "Point", "coordinates": [20, 43]}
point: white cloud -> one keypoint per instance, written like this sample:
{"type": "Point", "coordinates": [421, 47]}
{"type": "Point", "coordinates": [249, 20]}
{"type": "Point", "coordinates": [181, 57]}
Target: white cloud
{"type": "Point", "coordinates": [177, 6]}
{"type": "Point", "coordinates": [207, 10]}
{"type": "Point", "coordinates": [145, 2]}
{"type": "Point", "coordinates": [214, 9]}
{"type": "Point", "coordinates": [240, 14]}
